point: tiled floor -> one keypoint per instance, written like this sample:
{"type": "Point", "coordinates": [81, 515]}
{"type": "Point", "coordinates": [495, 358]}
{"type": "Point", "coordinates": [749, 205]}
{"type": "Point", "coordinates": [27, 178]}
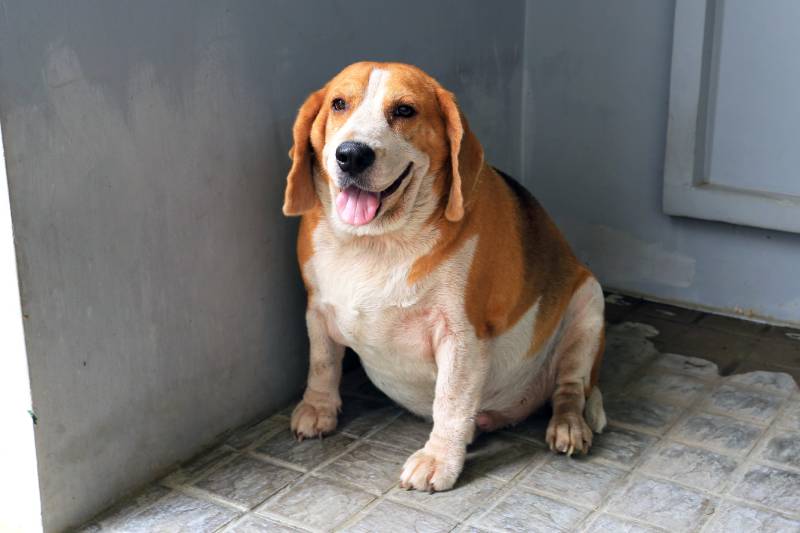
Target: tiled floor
{"type": "Point", "coordinates": [686, 450]}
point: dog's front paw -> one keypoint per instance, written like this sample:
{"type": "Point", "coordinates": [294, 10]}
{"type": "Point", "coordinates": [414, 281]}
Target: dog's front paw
{"type": "Point", "coordinates": [313, 420]}
{"type": "Point", "coordinates": [569, 433]}
{"type": "Point", "coordinates": [430, 471]}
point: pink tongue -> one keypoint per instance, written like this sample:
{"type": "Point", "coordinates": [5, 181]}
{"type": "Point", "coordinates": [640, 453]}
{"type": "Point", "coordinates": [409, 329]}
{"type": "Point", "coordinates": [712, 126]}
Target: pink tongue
{"type": "Point", "coordinates": [357, 207]}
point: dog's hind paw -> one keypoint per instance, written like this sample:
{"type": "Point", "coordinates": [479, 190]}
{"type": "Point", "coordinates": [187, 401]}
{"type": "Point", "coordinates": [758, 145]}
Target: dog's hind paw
{"type": "Point", "coordinates": [569, 433]}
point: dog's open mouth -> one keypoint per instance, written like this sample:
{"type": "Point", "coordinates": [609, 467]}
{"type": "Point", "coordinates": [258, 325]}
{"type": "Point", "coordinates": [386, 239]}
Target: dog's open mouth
{"type": "Point", "coordinates": [358, 207]}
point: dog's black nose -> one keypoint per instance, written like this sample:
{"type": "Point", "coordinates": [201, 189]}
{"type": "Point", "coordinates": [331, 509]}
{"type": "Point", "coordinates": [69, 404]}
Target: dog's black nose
{"type": "Point", "coordinates": [354, 157]}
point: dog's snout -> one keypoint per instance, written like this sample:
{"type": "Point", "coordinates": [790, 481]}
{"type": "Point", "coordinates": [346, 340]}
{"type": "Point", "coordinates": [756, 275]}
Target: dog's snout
{"type": "Point", "coordinates": [354, 157]}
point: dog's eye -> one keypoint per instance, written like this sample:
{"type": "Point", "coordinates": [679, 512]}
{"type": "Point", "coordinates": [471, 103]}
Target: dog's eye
{"type": "Point", "coordinates": [404, 111]}
{"type": "Point", "coordinates": [339, 104]}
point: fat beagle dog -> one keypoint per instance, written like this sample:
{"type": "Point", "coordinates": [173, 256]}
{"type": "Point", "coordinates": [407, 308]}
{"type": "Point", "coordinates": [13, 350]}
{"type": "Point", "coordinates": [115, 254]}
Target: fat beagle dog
{"type": "Point", "coordinates": [459, 294]}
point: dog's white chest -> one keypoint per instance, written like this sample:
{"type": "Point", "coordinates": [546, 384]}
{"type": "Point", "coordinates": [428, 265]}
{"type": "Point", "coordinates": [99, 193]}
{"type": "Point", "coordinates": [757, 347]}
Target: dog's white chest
{"type": "Point", "coordinates": [372, 309]}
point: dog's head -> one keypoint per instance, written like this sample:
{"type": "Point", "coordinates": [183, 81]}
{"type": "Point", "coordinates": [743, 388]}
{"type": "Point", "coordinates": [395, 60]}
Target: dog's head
{"type": "Point", "coordinates": [378, 144]}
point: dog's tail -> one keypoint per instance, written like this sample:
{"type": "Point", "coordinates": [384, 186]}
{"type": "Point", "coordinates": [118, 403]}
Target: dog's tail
{"type": "Point", "coordinates": [593, 412]}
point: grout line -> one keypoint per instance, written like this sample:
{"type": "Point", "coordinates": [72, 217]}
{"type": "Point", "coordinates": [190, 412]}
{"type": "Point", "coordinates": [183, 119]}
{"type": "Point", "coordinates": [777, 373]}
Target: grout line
{"type": "Point", "coordinates": [626, 481]}
{"type": "Point", "coordinates": [207, 496]}
{"type": "Point", "coordinates": [746, 459]}
{"type": "Point", "coordinates": [249, 451]}
{"type": "Point", "coordinates": [260, 508]}
{"type": "Point", "coordinates": [261, 439]}
{"type": "Point", "coordinates": [286, 521]}
{"type": "Point", "coordinates": [208, 469]}
{"type": "Point", "coordinates": [597, 514]}
{"type": "Point", "coordinates": [264, 458]}
{"type": "Point", "coordinates": [355, 518]}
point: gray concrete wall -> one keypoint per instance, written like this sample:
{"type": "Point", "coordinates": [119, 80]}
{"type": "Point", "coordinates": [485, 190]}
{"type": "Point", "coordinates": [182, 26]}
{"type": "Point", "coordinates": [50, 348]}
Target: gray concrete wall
{"type": "Point", "coordinates": [146, 152]}
{"type": "Point", "coordinates": [595, 110]}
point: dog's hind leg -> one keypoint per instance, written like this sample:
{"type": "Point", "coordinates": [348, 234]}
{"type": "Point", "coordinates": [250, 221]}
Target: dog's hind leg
{"type": "Point", "coordinates": [576, 361]}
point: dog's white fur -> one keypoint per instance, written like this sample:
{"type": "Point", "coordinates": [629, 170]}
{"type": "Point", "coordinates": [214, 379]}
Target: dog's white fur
{"type": "Point", "coordinates": [415, 340]}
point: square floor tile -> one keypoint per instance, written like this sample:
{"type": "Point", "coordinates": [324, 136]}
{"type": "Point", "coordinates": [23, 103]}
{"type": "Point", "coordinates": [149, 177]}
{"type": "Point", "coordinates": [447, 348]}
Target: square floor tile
{"type": "Point", "coordinates": [408, 433]}
{"type": "Point", "coordinates": [685, 364]}
{"type": "Point", "coordinates": [624, 356]}
{"type": "Point", "coordinates": [120, 513]}
{"type": "Point", "coordinates": [674, 388]}
{"type": "Point", "coordinates": [733, 516]}
{"type": "Point", "coordinates": [178, 513]}
{"type": "Point", "coordinates": [320, 503]}
{"type": "Point", "coordinates": [390, 516]}
{"type": "Point", "coordinates": [469, 494]}
{"type": "Point", "coordinates": [690, 465]}
{"type": "Point", "coordinates": [361, 415]}
{"type": "Point", "coordinates": [615, 375]}
{"type": "Point", "coordinates": [771, 487]}
{"type": "Point", "coordinates": [778, 383]}
{"type": "Point", "coordinates": [523, 511]}
{"type": "Point", "coordinates": [790, 417]}
{"type": "Point", "coordinates": [783, 447]}
{"type": "Point", "coordinates": [717, 431]}
{"type": "Point", "coordinates": [663, 504]}
{"type": "Point", "coordinates": [604, 523]}
{"type": "Point", "coordinates": [258, 524]}
{"type": "Point", "coordinates": [642, 412]}
{"type": "Point", "coordinates": [757, 406]}
{"type": "Point", "coordinates": [247, 436]}
{"type": "Point", "coordinates": [620, 346]}
{"type": "Point", "coordinates": [621, 446]}
{"type": "Point", "coordinates": [372, 467]}
{"type": "Point", "coordinates": [576, 479]}
{"type": "Point", "coordinates": [246, 481]}
{"type": "Point", "coordinates": [197, 466]}
{"type": "Point", "coordinates": [502, 456]}
{"type": "Point", "coordinates": [306, 454]}
{"type": "Point", "coordinates": [752, 365]}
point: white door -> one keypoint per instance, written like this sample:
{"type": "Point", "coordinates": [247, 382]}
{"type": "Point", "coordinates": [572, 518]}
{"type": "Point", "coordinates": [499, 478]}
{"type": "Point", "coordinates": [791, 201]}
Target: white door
{"type": "Point", "coordinates": [733, 141]}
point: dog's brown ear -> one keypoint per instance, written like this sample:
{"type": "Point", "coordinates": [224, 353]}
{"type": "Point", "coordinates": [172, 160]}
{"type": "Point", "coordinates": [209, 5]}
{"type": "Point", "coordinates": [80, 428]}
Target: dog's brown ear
{"type": "Point", "coordinates": [466, 156]}
{"type": "Point", "coordinates": [300, 195]}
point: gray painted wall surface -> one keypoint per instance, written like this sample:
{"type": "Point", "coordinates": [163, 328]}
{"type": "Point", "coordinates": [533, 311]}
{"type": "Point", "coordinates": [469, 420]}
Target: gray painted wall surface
{"type": "Point", "coordinates": [146, 149]}
{"type": "Point", "coordinates": [595, 110]}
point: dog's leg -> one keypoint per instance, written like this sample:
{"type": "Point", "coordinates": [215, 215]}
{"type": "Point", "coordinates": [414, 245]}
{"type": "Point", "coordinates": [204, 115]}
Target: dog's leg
{"type": "Point", "coordinates": [461, 372]}
{"type": "Point", "coordinates": [316, 414]}
{"type": "Point", "coordinates": [580, 345]}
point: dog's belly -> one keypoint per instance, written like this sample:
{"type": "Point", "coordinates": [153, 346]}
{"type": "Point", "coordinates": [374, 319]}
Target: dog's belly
{"type": "Point", "coordinates": [409, 381]}
{"type": "Point", "coordinates": [396, 348]}
{"type": "Point", "coordinates": [519, 382]}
